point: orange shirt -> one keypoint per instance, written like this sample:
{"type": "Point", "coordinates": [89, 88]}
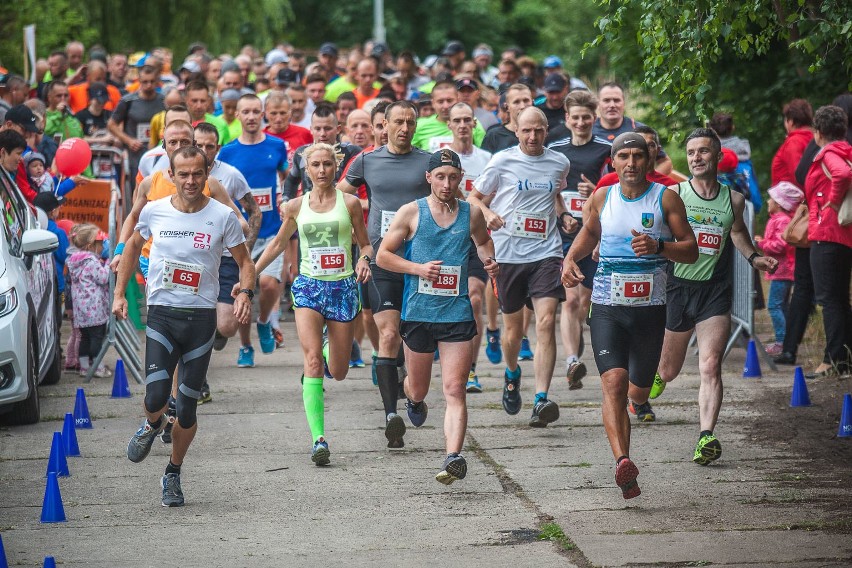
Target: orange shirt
{"type": "Point", "coordinates": [79, 97]}
{"type": "Point", "coordinates": [363, 99]}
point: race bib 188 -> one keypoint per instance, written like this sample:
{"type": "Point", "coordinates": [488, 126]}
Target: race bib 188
{"type": "Point", "coordinates": [447, 283]}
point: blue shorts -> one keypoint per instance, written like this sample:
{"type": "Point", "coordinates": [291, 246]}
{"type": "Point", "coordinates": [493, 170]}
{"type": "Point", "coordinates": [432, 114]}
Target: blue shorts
{"type": "Point", "coordinates": [335, 300]}
{"type": "Point", "coordinates": [229, 274]}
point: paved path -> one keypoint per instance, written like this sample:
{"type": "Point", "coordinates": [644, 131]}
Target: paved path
{"type": "Point", "coordinates": [255, 499]}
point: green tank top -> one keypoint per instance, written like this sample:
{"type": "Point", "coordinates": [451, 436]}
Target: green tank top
{"type": "Point", "coordinates": [325, 240]}
{"type": "Point", "coordinates": [711, 221]}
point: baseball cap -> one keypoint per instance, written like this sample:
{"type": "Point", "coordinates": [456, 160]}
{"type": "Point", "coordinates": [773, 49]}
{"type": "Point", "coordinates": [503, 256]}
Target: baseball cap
{"type": "Point", "coordinates": [482, 50]}
{"type": "Point", "coordinates": [98, 91]}
{"type": "Point", "coordinates": [276, 56]}
{"type": "Point", "coordinates": [554, 83]}
{"type": "Point", "coordinates": [629, 140]}
{"type": "Point", "coordinates": [285, 76]}
{"type": "Point", "coordinates": [453, 48]}
{"type": "Point", "coordinates": [551, 61]}
{"type": "Point", "coordinates": [328, 48]}
{"type": "Point", "coordinates": [47, 201]}
{"type": "Point", "coordinates": [230, 65]}
{"type": "Point", "coordinates": [379, 49]}
{"type": "Point", "coordinates": [4, 75]}
{"type": "Point", "coordinates": [229, 95]}
{"type": "Point", "coordinates": [23, 116]}
{"type": "Point", "coordinates": [101, 236]}
{"type": "Point", "coordinates": [32, 157]}
{"type": "Point", "coordinates": [444, 157]}
{"type": "Point", "coordinates": [191, 66]}
{"type": "Point", "coordinates": [467, 83]}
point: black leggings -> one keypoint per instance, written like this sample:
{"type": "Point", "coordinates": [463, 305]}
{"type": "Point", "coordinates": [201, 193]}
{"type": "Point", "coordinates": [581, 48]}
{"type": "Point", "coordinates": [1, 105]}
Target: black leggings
{"type": "Point", "coordinates": [91, 340]}
{"type": "Point", "coordinates": [177, 336]}
{"type": "Point", "coordinates": [801, 302]}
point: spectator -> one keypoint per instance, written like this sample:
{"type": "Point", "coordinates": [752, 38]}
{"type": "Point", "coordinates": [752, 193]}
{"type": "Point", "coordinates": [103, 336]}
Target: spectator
{"type": "Point", "coordinates": [21, 121]}
{"type": "Point", "coordinates": [50, 204]}
{"type": "Point", "coordinates": [40, 178]}
{"type": "Point", "coordinates": [723, 124]}
{"type": "Point", "coordinates": [13, 91]}
{"type": "Point", "coordinates": [79, 93]}
{"type": "Point", "coordinates": [94, 117]}
{"type": "Point", "coordinates": [117, 68]}
{"type": "Point", "coordinates": [798, 118]}
{"type": "Point", "coordinates": [59, 122]}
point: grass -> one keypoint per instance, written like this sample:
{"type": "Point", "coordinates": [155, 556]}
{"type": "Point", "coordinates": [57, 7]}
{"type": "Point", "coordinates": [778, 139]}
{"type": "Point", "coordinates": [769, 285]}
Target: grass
{"type": "Point", "coordinates": [553, 532]}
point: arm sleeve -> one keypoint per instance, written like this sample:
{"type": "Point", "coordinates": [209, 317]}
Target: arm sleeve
{"type": "Point", "coordinates": [489, 180]}
{"type": "Point", "coordinates": [143, 225]}
{"type": "Point", "coordinates": [355, 174]}
{"type": "Point", "coordinates": [841, 177]}
{"type": "Point", "coordinates": [23, 182]}
{"type": "Point", "coordinates": [233, 232]}
{"type": "Point", "coordinates": [772, 242]}
{"type": "Point", "coordinates": [65, 187]}
{"type": "Point", "coordinates": [120, 114]}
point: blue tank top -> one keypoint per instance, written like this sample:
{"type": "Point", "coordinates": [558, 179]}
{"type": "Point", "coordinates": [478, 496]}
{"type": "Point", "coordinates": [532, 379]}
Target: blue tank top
{"type": "Point", "coordinates": [622, 277]}
{"type": "Point", "coordinates": [446, 299]}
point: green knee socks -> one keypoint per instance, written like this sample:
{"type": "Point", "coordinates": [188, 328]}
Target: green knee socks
{"type": "Point", "coordinates": [314, 408]}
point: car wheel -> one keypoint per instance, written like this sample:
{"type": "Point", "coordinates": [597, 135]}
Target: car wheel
{"type": "Point", "coordinates": [28, 411]}
{"type": "Point", "coordinates": [54, 372]}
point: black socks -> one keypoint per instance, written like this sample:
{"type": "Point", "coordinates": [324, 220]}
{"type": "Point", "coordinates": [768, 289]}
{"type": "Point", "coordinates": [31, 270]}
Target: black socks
{"type": "Point", "coordinates": [388, 379]}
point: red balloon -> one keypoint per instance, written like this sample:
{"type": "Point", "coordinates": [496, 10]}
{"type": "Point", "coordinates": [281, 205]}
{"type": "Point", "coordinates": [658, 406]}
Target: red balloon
{"type": "Point", "coordinates": [73, 157]}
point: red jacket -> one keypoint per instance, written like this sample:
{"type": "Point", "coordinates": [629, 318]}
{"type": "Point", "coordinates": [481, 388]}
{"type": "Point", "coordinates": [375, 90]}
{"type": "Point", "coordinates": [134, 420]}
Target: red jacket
{"type": "Point", "coordinates": [820, 191]}
{"type": "Point", "coordinates": [788, 156]}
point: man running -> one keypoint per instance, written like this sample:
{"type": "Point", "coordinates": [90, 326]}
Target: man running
{"type": "Point", "coordinates": [700, 294]}
{"type": "Point", "coordinates": [433, 132]}
{"type": "Point", "coordinates": [438, 230]}
{"type": "Point", "coordinates": [634, 222]}
{"type": "Point", "coordinates": [526, 182]}
{"type": "Point", "coordinates": [393, 175]}
{"type": "Point", "coordinates": [190, 233]}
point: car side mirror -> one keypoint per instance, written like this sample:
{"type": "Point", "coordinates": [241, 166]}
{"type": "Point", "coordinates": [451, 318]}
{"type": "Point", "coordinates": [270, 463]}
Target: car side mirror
{"type": "Point", "coordinates": [38, 241]}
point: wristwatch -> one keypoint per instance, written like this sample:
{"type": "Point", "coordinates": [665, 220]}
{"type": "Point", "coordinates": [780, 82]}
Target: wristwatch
{"type": "Point", "coordinates": [752, 257]}
{"type": "Point", "coordinates": [248, 292]}
{"type": "Point", "coordinates": [365, 257]}
{"type": "Point", "coordinates": [661, 244]}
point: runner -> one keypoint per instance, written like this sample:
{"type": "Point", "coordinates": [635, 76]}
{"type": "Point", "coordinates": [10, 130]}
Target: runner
{"type": "Point", "coordinates": [589, 157]}
{"type": "Point", "coordinates": [473, 160]}
{"type": "Point", "coordinates": [433, 132]}
{"type": "Point", "coordinates": [262, 159]}
{"type": "Point", "coordinates": [700, 294]}
{"type": "Point", "coordinates": [526, 181]}
{"type": "Point", "coordinates": [393, 175]}
{"type": "Point", "coordinates": [326, 291]}
{"type": "Point", "coordinates": [181, 297]}
{"type": "Point", "coordinates": [634, 222]}
{"type": "Point", "coordinates": [157, 158]}
{"type": "Point", "coordinates": [438, 231]}
{"type": "Point", "coordinates": [277, 113]}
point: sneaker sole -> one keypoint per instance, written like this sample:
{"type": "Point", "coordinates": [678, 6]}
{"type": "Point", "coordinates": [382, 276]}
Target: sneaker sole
{"type": "Point", "coordinates": [454, 472]}
{"type": "Point", "coordinates": [625, 477]}
{"type": "Point", "coordinates": [473, 388]}
{"type": "Point", "coordinates": [446, 478]}
{"type": "Point", "coordinates": [647, 418]}
{"type": "Point", "coordinates": [205, 399]}
{"type": "Point", "coordinates": [151, 445]}
{"type": "Point", "coordinates": [548, 414]}
{"type": "Point", "coordinates": [321, 457]}
{"type": "Point", "coordinates": [395, 430]}
{"type": "Point", "coordinates": [709, 453]}
{"type": "Point", "coordinates": [575, 379]}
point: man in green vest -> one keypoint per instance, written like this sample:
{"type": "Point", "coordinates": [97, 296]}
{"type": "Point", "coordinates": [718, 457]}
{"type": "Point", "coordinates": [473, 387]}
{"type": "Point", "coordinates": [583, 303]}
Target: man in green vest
{"type": "Point", "coordinates": [433, 132]}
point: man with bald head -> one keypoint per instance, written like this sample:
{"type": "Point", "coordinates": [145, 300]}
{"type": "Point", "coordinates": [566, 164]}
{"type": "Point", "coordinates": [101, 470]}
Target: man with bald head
{"type": "Point", "coordinates": [358, 128]}
{"type": "Point", "coordinates": [525, 182]}
{"type": "Point", "coordinates": [366, 73]}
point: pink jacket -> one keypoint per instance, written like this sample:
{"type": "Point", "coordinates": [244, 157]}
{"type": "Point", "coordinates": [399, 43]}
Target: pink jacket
{"type": "Point", "coordinates": [820, 191]}
{"type": "Point", "coordinates": [89, 289]}
{"type": "Point", "coordinates": [776, 247]}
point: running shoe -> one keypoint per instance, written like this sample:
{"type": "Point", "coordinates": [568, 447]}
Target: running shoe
{"type": "Point", "coordinates": [102, 372]}
{"type": "Point", "coordinates": [575, 373]}
{"type": "Point", "coordinates": [320, 454]}
{"type": "Point", "coordinates": [279, 338]}
{"type": "Point", "coordinates": [141, 442]}
{"type": "Point", "coordinates": [658, 387]}
{"type": "Point", "coordinates": [525, 354]}
{"type": "Point", "coordinates": [373, 371]}
{"type": "Point", "coordinates": [512, 394]}
{"type": "Point", "coordinates": [245, 358]}
{"type": "Point", "coordinates": [219, 341]}
{"type": "Point", "coordinates": [544, 412]}
{"type": "Point", "coordinates": [643, 412]}
{"type": "Point", "coordinates": [455, 468]}
{"type": "Point", "coordinates": [707, 450]}
{"type": "Point", "coordinates": [205, 393]}
{"type": "Point", "coordinates": [264, 334]}
{"type": "Point", "coordinates": [493, 349]}
{"type": "Point", "coordinates": [355, 360]}
{"type": "Point", "coordinates": [172, 493]}
{"type": "Point", "coordinates": [417, 412]}
{"type": "Point", "coordinates": [473, 383]}
{"type": "Point", "coordinates": [395, 430]}
{"type": "Point", "coordinates": [436, 356]}
{"type": "Point", "coordinates": [626, 473]}
{"type": "Point", "coordinates": [166, 436]}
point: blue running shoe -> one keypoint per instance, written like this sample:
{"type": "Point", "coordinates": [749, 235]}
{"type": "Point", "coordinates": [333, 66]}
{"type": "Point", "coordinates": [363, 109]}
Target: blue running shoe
{"type": "Point", "coordinates": [373, 371]}
{"type": "Point", "coordinates": [320, 454]}
{"type": "Point", "coordinates": [172, 493]}
{"type": "Point", "coordinates": [267, 340]}
{"type": "Point", "coordinates": [246, 357]}
{"type": "Point", "coordinates": [355, 361]}
{"type": "Point", "coordinates": [525, 354]}
{"type": "Point", "coordinates": [437, 356]}
{"type": "Point", "coordinates": [493, 349]}
{"type": "Point", "coordinates": [417, 412]}
{"type": "Point", "coordinates": [473, 383]}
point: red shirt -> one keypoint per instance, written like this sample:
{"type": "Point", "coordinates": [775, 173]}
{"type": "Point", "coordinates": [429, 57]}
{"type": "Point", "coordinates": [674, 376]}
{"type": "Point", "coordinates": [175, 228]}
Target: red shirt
{"type": "Point", "coordinates": [294, 137]}
{"type": "Point", "coordinates": [653, 176]}
{"type": "Point", "coordinates": [787, 158]}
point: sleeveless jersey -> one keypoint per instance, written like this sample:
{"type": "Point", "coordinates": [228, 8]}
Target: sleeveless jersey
{"type": "Point", "coordinates": [444, 300]}
{"type": "Point", "coordinates": [711, 220]}
{"type": "Point", "coordinates": [162, 186]}
{"type": "Point", "coordinates": [622, 278]}
{"type": "Point", "coordinates": [325, 240]}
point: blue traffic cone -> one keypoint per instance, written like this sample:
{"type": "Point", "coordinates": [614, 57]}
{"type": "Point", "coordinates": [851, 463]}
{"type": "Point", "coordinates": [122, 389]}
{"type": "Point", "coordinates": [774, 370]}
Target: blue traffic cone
{"type": "Point", "coordinates": [52, 510]}
{"type": "Point", "coordinates": [3, 562]}
{"type": "Point", "coordinates": [120, 389]}
{"type": "Point", "coordinates": [81, 411]}
{"type": "Point", "coordinates": [57, 463]}
{"type": "Point", "coordinates": [845, 429]}
{"type": "Point", "coordinates": [752, 363]}
{"type": "Point", "coordinates": [69, 436]}
{"type": "Point", "coordinates": [800, 390]}
{"type": "Point", "coordinates": [49, 562]}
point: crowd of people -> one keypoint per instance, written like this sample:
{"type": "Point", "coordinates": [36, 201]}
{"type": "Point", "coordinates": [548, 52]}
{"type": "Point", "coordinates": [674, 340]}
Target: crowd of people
{"type": "Point", "coordinates": [414, 202]}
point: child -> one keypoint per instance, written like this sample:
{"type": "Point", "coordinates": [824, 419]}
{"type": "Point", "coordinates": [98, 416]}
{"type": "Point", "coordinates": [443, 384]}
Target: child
{"type": "Point", "coordinates": [72, 348]}
{"type": "Point", "coordinates": [90, 290]}
{"type": "Point", "coordinates": [41, 179]}
{"type": "Point", "coordinates": [783, 200]}
{"type": "Point", "coordinates": [50, 204]}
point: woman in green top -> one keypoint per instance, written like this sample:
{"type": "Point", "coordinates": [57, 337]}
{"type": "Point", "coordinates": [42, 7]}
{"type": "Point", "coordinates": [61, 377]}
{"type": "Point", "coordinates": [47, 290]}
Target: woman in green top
{"type": "Point", "coordinates": [325, 294]}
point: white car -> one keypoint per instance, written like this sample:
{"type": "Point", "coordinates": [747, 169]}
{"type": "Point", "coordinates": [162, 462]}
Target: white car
{"type": "Point", "coordinates": [30, 312]}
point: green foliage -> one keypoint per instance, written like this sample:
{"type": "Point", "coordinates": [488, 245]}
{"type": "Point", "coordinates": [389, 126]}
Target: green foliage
{"type": "Point", "coordinates": [554, 533]}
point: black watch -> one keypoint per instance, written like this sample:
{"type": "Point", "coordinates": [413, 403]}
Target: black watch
{"type": "Point", "coordinates": [752, 257]}
{"type": "Point", "coordinates": [661, 244]}
{"type": "Point", "coordinates": [248, 292]}
{"type": "Point", "coordinates": [563, 214]}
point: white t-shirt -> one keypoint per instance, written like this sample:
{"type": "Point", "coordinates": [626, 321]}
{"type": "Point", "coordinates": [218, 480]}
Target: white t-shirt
{"type": "Point", "coordinates": [233, 181]}
{"type": "Point", "coordinates": [186, 251]}
{"type": "Point", "coordinates": [525, 189]}
{"type": "Point", "coordinates": [472, 164]}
